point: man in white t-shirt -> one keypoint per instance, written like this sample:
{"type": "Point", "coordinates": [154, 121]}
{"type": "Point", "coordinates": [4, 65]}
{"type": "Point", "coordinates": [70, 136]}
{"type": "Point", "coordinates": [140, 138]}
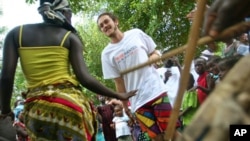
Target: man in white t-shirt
{"type": "Point", "coordinates": [128, 49]}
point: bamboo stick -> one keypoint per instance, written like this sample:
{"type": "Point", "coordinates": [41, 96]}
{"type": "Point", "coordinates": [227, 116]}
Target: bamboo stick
{"type": "Point", "coordinates": [190, 52]}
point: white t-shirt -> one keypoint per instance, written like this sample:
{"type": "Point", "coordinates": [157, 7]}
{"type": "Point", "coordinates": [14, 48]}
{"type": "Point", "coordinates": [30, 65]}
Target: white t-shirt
{"type": "Point", "coordinates": [131, 51]}
{"type": "Point", "coordinates": [121, 126]}
{"type": "Point", "coordinates": [243, 49]}
{"type": "Point", "coordinates": [194, 73]}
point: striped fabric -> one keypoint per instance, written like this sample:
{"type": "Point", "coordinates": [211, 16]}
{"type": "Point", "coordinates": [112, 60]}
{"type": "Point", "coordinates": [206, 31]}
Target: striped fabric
{"type": "Point", "coordinates": [59, 115]}
{"type": "Point", "coordinates": [154, 116]}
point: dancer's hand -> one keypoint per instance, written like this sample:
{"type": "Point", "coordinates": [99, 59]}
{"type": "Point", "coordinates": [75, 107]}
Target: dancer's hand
{"type": "Point", "coordinates": [126, 96]}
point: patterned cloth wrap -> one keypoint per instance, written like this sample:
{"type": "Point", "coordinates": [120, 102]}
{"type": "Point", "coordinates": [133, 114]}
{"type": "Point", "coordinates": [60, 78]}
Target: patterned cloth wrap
{"type": "Point", "coordinates": [153, 117]}
{"type": "Point", "coordinates": [59, 112]}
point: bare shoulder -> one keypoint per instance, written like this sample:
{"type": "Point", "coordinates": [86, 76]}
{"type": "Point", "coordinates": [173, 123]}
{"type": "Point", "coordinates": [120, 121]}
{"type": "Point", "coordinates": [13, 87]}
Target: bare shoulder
{"type": "Point", "coordinates": [75, 40]}
{"type": "Point", "coordinates": [12, 34]}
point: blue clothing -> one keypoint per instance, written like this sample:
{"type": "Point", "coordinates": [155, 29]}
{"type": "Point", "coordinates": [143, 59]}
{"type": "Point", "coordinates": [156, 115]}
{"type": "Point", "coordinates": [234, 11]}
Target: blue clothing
{"type": "Point", "coordinates": [100, 136]}
{"type": "Point", "coordinates": [243, 49]}
{"type": "Point", "coordinates": [18, 110]}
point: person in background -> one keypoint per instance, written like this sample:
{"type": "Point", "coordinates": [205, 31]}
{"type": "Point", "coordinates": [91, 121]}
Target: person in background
{"type": "Point", "coordinates": [105, 112]}
{"type": "Point", "coordinates": [194, 73]}
{"type": "Point", "coordinates": [51, 57]}
{"type": "Point", "coordinates": [226, 64]}
{"type": "Point", "coordinates": [212, 68]}
{"type": "Point", "coordinates": [189, 103]}
{"type": "Point", "coordinates": [230, 48]}
{"type": "Point", "coordinates": [99, 134]}
{"type": "Point", "coordinates": [202, 87]}
{"type": "Point", "coordinates": [170, 73]}
{"type": "Point", "coordinates": [243, 47]}
{"type": "Point", "coordinates": [126, 49]}
{"type": "Point", "coordinates": [121, 125]}
{"type": "Point", "coordinates": [18, 107]}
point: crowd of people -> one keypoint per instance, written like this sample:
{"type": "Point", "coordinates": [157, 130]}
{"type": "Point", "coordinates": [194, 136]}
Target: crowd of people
{"type": "Point", "coordinates": [56, 108]}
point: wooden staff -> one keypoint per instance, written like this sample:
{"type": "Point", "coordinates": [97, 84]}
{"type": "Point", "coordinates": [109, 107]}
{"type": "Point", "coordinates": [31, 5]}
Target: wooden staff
{"type": "Point", "coordinates": [190, 52]}
{"type": "Point", "coordinates": [227, 33]}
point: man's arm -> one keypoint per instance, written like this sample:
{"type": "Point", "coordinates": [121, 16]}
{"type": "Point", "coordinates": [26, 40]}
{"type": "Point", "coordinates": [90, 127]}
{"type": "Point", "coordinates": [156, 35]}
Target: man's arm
{"type": "Point", "coordinates": [120, 88]}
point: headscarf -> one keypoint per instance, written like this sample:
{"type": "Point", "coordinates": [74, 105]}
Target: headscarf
{"type": "Point", "coordinates": [60, 4]}
{"type": "Point", "coordinates": [51, 9]}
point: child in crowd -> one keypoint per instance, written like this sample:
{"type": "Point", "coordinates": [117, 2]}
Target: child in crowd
{"type": "Point", "coordinates": [202, 87]}
{"type": "Point", "coordinates": [105, 113]}
{"type": "Point", "coordinates": [212, 67]}
{"type": "Point", "coordinates": [120, 124]}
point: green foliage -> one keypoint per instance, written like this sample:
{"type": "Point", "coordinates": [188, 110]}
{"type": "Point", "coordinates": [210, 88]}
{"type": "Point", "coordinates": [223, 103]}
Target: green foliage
{"type": "Point", "coordinates": [19, 85]}
{"type": "Point", "coordinates": [164, 20]}
{"type": "Point", "coordinates": [94, 43]}
{"type": "Point", "coordinates": [3, 29]}
{"type": "Point", "coordinates": [88, 6]}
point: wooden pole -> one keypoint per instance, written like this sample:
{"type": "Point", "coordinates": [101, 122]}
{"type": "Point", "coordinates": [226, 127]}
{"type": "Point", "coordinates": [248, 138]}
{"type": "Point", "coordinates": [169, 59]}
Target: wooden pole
{"type": "Point", "coordinates": [190, 52]}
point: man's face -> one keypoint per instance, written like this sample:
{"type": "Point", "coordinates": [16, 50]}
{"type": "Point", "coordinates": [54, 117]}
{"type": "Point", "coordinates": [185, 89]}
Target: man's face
{"type": "Point", "coordinates": [107, 25]}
